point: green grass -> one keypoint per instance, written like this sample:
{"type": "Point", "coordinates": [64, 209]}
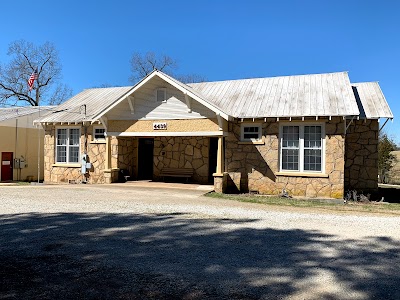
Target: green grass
{"type": "Point", "coordinates": [325, 204]}
{"type": "Point", "coordinates": [23, 183]}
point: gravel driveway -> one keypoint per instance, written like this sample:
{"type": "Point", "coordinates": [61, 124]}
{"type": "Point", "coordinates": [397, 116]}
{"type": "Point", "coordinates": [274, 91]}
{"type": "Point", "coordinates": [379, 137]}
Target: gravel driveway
{"type": "Point", "coordinates": [128, 242]}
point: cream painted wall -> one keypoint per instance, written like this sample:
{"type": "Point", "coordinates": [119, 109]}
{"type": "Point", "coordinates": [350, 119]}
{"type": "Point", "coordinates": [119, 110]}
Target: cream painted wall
{"type": "Point", "coordinates": [193, 125]}
{"type": "Point", "coordinates": [22, 139]}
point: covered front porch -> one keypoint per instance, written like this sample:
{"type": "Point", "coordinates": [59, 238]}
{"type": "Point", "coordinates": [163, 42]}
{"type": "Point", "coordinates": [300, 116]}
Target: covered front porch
{"type": "Point", "coordinates": [144, 157]}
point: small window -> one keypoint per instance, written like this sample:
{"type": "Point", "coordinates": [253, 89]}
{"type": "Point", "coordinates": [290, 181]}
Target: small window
{"type": "Point", "coordinates": [161, 95]}
{"type": "Point", "coordinates": [250, 133]}
{"type": "Point", "coordinates": [98, 134]}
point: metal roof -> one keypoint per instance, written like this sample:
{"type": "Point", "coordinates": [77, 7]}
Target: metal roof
{"type": "Point", "coordinates": [327, 94]}
{"type": "Point", "coordinates": [85, 105]}
{"type": "Point", "coordinates": [371, 101]}
{"type": "Point", "coordinates": [7, 113]}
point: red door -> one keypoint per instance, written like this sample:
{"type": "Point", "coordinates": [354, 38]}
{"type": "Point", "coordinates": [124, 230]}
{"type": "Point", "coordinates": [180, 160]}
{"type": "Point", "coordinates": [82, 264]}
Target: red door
{"type": "Point", "coordinates": [6, 166]}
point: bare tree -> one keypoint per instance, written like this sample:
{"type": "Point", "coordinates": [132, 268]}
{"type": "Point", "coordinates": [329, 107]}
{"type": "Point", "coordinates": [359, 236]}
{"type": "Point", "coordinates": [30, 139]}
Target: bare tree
{"type": "Point", "coordinates": [142, 65]}
{"type": "Point", "coordinates": [26, 58]}
{"type": "Point", "coordinates": [190, 78]}
{"type": "Point", "coordinates": [105, 85]}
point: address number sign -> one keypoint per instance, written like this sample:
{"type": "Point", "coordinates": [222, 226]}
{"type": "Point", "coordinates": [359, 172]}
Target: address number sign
{"type": "Point", "coordinates": [160, 126]}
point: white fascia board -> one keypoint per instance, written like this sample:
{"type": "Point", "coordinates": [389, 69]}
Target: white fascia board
{"type": "Point", "coordinates": [193, 96]}
{"type": "Point", "coordinates": [168, 133]}
{"type": "Point", "coordinates": [134, 89]}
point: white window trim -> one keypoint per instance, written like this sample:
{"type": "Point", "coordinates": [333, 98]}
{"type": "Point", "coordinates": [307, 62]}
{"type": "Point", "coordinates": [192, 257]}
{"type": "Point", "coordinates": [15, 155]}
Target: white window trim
{"type": "Point", "coordinates": [94, 139]}
{"type": "Point", "coordinates": [164, 89]}
{"type": "Point", "coordinates": [260, 135]}
{"type": "Point", "coordinates": [301, 147]}
{"type": "Point", "coordinates": [55, 145]}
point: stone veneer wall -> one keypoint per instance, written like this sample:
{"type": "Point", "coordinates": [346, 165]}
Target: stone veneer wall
{"type": "Point", "coordinates": [253, 167]}
{"type": "Point", "coordinates": [62, 174]}
{"type": "Point", "coordinates": [124, 153]}
{"type": "Point", "coordinates": [361, 167]}
{"type": "Point", "coordinates": [182, 152]}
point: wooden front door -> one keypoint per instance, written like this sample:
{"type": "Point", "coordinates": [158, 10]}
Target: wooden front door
{"type": "Point", "coordinates": [6, 166]}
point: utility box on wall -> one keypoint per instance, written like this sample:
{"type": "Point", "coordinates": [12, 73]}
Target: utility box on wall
{"type": "Point", "coordinates": [19, 163]}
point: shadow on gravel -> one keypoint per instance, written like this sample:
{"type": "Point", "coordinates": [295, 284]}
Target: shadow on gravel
{"type": "Point", "coordinates": [116, 256]}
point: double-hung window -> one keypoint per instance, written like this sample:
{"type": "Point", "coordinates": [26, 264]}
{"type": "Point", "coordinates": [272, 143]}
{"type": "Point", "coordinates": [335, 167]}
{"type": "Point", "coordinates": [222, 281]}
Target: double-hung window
{"type": "Point", "coordinates": [301, 148]}
{"type": "Point", "coordinates": [67, 145]}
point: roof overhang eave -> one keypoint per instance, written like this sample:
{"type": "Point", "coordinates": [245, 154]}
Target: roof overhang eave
{"type": "Point", "coordinates": [194, 96]}
{"type": "Point", "coordinates": [55, 122]}
{"type": "Point", "coordinates": [112, 105]}
{"type": "Point", "coordinates": [294, 116]}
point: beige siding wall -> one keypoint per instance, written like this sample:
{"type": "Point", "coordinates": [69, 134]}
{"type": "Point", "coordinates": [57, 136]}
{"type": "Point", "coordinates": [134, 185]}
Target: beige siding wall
{"type": "Point", "coordinates": [172, 125]}
{"type": "Point", "coordinates": [147, 108]}
{"type": "Point", "coordinates": [254, 167]}
{"type": "Point", "coordinates": [23, 143]}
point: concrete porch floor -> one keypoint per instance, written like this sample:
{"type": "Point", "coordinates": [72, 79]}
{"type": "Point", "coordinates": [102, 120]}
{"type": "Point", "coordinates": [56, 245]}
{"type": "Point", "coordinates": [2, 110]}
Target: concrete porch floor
{"type": "Point", "coordinates": [172, 185]}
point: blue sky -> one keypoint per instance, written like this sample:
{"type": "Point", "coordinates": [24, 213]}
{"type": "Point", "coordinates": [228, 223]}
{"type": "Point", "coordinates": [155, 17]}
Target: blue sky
{"type": "Point", "coordinates": [217, 39]}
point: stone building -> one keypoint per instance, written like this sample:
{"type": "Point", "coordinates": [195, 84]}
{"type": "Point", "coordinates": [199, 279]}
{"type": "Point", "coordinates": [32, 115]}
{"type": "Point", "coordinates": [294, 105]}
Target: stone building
{"type": "Point", "coordinates": [312, 135]}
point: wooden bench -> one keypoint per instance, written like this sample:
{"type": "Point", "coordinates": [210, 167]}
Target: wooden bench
{"type": "Point", "coordinates": [177, 172]}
